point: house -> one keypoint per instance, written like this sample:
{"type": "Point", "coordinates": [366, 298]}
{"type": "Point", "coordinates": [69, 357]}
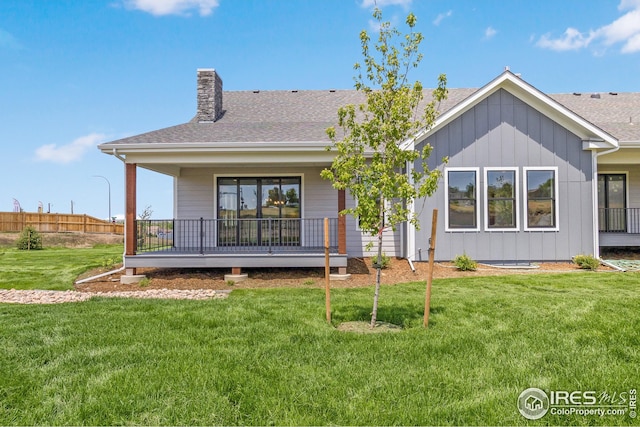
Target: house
{"type": "Point", "coordinates": [530, 177]}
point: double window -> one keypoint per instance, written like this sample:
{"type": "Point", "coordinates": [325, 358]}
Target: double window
{"type": "Point", "coordinates": [501, 200]}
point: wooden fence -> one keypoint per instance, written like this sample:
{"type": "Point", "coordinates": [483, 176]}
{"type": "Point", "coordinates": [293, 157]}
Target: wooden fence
{"type": "Point", "coordinates": [57, 223]}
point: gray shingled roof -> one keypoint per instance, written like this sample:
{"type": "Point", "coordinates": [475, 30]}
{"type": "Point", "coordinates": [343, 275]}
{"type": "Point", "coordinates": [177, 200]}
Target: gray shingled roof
{"type": "Point", "coordinates": [616, 113]}
{"type": "Point", "coordinates": [299, 116]}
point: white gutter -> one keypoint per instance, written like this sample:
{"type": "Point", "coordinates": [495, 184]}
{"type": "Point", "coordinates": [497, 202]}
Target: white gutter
{"type": "Point", "coordinates": [594, 186]}
{"type": "Point", "coordinates": [118, 156]}
{"type": "Point", "coordinates": [221, 146]}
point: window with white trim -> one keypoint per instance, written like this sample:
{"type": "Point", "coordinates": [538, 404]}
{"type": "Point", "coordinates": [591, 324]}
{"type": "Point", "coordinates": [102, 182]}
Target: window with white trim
{"type": "Point", "coordinates": [501, 195]}
{"type": "Point", "coordinates": [541, 184]}
{"type": "Point", "coordinates": [462, 213]}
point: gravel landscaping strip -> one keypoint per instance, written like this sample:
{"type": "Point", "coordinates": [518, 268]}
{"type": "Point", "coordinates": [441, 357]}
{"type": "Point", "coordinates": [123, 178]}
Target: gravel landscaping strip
{"type": "Point", "coordinates": [56, 297]}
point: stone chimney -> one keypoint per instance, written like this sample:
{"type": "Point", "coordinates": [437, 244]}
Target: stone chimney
{"type": "Point", "coordinates": [209, 96]}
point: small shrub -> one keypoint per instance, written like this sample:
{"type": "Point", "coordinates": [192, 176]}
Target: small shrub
{"type": "Point", "coordinates": [144, 282]}
{"type": "Point", "coordinates": [586, 262]}
{"type": "Point", "coordinates": [230, 282]}
{"type": "Point", "coordinates": [29, 239]}
{"type": "Point", "coordinates": [110, 262]}
{"type": "Point", "coordinates": [384, 261]}
{"type": "Point", "coordinates": [465, 263]}
{"type": "Point", "coordinates": [309, 282]}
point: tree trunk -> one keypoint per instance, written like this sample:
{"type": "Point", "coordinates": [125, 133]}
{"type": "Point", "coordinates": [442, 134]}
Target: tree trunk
{"type": "Point", "coordinates": [374, 312]}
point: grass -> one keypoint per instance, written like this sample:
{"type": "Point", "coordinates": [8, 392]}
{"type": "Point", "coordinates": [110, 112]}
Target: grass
{"type": "Point", "coordinates": [53, 268]}
{"type": "Point", "coordinates": [268, 356]}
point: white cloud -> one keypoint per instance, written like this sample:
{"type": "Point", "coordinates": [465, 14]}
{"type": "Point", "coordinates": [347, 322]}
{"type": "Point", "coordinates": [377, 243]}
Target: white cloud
{"type": "Point", "coordinates": [624, 30]}
{"type": "Point", "coordinates": [172, 7]}
{"type": "Point", "coordinates": [7, 40]}
{"type": "Point", "coordinates": [71, 152]}
{"type": "Point", "coordinates": [382, 3]}
{"type": "Point", "coordinates": [441, 16]}
{"type": "Point", "coordinates": [571, 40]}
{"type": "Point", "coordinates": [632, 45]}
{"type": "Point", "coordinates": [490, 32]}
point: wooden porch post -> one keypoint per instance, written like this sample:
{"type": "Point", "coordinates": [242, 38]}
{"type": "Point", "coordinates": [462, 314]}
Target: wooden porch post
{"type": "Point", "coordinates": [342, 228]}
{"type": "Point", "coordinates": [130, 216]}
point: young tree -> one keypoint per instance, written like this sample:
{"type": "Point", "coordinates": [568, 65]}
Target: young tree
{"type": "Point", "coordinates": [375, 152]}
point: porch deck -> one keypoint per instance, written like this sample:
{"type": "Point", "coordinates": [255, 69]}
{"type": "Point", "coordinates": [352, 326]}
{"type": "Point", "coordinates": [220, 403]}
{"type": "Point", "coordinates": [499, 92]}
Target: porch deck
{"type": "Point", "coordinates": [216, 243]}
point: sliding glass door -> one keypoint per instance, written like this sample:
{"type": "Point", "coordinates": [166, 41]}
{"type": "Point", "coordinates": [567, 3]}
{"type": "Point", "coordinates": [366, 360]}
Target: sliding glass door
{"type": "Point", "coordinates": [612, 202]}
{"type": "Point", "coordinates": [259, 211]}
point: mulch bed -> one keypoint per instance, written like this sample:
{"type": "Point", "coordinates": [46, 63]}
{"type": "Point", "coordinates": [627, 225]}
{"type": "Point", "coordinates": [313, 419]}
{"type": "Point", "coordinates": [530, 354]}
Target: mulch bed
{"type": "Point", "coordinates": [362, 274]}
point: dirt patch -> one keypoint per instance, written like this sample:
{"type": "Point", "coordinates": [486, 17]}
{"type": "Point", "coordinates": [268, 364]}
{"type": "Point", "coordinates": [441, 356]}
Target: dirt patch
{"type": "Point", "coordinates": [362, 274]}
{"type": "Point", "coordinates": [365, 327]}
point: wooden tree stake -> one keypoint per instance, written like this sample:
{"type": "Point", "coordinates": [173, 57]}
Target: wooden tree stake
{"type": "Point", "coordinates": [432, 250]}
{"type": "Point", "coordinates": [327, 270]}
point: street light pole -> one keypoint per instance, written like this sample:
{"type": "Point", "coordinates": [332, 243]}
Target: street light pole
{"type": "Point", "coordinates": [109, 186]}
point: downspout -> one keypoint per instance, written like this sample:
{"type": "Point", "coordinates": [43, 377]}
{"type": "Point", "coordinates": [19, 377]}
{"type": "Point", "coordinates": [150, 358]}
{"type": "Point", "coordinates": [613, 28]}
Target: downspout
{"type": "Point", "coordinates": [115, 154]}
{"type": "Point", "coordinates": [410, 229]}
{"type": "Point", "coordinates": [596, 234]}
{"type": "Point", "coordinates": [122, 159]}
{"type": "Point", "coordinates": [88, 279]}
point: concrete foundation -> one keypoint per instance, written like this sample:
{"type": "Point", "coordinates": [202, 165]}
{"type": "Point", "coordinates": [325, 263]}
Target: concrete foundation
{"type": "Point", "coordinates": [131, 279]}
{"type": "Point", "coordinates": [339, 276]}
{"type": "Point", "coordinates": [235, 277]}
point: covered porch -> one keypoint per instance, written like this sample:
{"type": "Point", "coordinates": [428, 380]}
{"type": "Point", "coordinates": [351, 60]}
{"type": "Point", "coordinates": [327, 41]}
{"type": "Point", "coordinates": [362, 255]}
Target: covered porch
{"type": "Point", "coordinates": [234, 233]}
{"type": "Point", "coordinates": [619, 199]}
{"type": "Point", "coordinates": [215, 243]}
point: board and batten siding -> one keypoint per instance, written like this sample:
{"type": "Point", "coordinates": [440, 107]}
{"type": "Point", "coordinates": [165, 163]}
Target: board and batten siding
{"type": "Point", "coordinates": [503, 131]}
{"type": "Point", "coordinates": [195, 198]}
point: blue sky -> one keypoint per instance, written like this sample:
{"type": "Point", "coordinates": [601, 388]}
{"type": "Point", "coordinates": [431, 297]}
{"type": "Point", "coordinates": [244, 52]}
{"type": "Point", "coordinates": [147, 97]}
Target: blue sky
{"type": "Point", "coordinates": [74, 74]}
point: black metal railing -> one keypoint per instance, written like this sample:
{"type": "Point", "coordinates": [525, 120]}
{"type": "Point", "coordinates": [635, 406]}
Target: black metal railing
{"type": "Point", "coordinates": [235, 235]}
{"type": "Point", "coordinates": [619, 220]}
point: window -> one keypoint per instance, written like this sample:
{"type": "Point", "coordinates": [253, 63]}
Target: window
{"type": "Point", "coordinates": [259, 211]}
{"type": "Point", "coordinates": [541, 202]}
{"type": "Point", "coordinates": [501, 192]}
{"type": "Point", "coordinates": [461, 212]}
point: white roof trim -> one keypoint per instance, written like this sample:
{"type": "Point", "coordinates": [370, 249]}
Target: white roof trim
{"type": "Point", "coordinates": [288, 146]}
{"type": "Point", "coordinates": [536, 99]}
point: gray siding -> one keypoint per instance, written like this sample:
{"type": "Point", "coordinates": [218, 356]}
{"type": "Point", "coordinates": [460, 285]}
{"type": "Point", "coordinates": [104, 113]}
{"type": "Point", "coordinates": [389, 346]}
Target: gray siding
{"type": "Point", "coordinates": [357, 241]}
{"type": "Point", "coordinates": [503, 131]}
{"type": "Point", "coordinates": [195, 190]}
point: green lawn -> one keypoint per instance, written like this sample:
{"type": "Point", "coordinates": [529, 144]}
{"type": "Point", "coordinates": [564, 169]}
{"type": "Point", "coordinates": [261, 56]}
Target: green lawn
{"type": "Point", "coordinates": [53, 268]}
{"type": "Point", "coordinates": [266, 357]}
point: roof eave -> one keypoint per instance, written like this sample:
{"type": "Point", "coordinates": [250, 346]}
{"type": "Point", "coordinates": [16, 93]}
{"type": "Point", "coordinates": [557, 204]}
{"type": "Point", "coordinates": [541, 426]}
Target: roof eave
{"type": "Point", "coordinates": [233, 146]}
